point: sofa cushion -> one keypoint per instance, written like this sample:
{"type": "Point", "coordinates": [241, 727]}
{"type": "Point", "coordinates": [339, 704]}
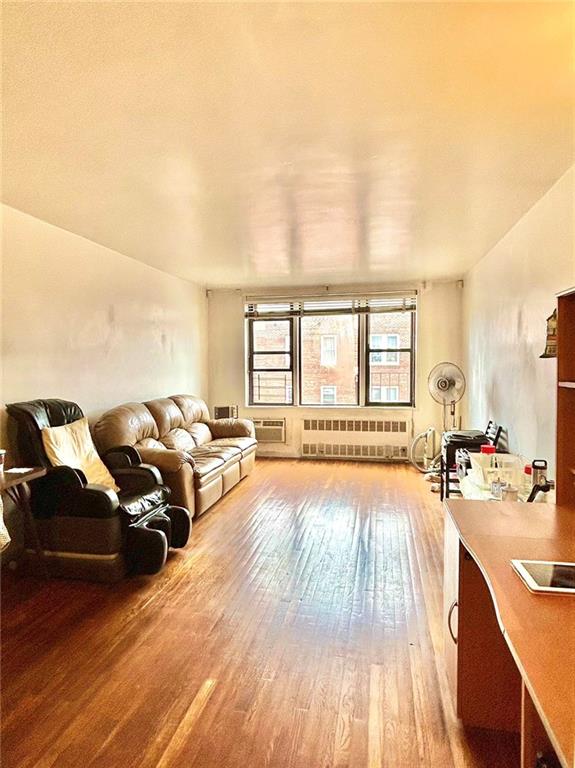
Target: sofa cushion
{"type": "Point", "coordinates": [243, 443]}
{"type": "Point", "coordinates": [225, 452]}
{"type": "Point", "coordinates": [126, 424]}
{"type": "Point", "coordinates": [199, 432]}
{"type": "Point", "coordinates": [206, 467]}
{"type": "Point", "coordinates": [193, 408]}
{"type": "Point", "coordinates": [166, 414]}
{"type": "Point", "coordinates": [179, 440]}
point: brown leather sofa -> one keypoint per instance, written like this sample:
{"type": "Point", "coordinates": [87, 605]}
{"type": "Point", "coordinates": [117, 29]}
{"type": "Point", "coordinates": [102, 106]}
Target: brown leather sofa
{"type": "Point", "coordinates": [199, 458]}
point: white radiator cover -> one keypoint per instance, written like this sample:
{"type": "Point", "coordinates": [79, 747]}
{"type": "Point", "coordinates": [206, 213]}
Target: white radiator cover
{"type": "Point", "coordinates": [385, 439]}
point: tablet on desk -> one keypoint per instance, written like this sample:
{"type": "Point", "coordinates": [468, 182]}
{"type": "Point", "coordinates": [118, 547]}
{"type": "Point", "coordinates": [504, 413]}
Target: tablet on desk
{"type": "Point", "coordinates": [547, 576]}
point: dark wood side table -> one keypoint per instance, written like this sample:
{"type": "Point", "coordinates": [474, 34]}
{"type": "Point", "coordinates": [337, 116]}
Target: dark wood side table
{"type": "Point", "coordinates": [14, 483]}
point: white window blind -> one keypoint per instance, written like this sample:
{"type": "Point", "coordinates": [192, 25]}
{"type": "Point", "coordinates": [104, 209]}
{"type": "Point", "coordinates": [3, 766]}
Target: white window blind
{"type": "Point", "coordinates": [260, 307]}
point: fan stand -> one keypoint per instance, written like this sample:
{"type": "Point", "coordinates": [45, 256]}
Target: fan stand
{"type": "Point", "coordinates": [452, 414]}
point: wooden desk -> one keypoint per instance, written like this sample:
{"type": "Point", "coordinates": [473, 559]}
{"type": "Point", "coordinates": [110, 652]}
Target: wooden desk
{"type": "Point", "coordinates": [510, 654]}
{"type": "Point", "coordinates": [14, 483]}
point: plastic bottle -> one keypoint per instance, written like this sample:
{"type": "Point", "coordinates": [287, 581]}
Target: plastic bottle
{"type": "Point", "coordinates": [527, 483]}
{"type": "Point", "coordinates": [493, 475]}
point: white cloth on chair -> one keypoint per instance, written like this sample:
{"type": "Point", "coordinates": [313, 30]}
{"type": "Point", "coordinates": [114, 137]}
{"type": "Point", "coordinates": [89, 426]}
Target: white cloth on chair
{"type": "Point", "coordinates": [4, 534]}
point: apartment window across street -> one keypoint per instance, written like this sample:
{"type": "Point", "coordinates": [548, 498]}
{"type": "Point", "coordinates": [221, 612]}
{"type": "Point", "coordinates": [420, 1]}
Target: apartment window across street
{"type": "Point", "coordinates": [389, 341]}
{"type": "Point", "coordinates": [384, 394]}
{"type": "Point", "coordinates": [328, 350]}
{"type": "Point", "coordinates": [341, 351]}
{"type": "Point", "coordinates": [328, 395]}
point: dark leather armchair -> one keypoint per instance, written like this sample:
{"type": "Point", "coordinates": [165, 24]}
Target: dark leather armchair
{"type": "Point", "coordinates": [89, 531]}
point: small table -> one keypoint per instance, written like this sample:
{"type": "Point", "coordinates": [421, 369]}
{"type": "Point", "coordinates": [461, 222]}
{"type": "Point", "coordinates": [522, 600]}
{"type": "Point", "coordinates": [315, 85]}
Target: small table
{"type": "Point", "coordinates": [14, 482]}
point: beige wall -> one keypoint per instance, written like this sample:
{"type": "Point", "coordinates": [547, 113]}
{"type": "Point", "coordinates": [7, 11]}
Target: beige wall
{"type": "Point", "coordinates": [508, 296]}
{"type": "Point", "coordinates": [86, 323]}
{"type": "Point", "coordinates": [438, 334]}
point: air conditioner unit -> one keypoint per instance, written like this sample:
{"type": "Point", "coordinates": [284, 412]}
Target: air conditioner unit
{"type": "Point", "coordinates": [225, 412]}
{"type": "Point", "coordinates": [270, 430]}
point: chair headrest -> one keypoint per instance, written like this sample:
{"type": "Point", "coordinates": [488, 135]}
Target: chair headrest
{"type": "Point", "coordinates": [35, 415]}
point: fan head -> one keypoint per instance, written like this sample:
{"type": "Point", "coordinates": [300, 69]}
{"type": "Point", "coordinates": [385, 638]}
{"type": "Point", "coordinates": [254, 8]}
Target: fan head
{"type": "Point", "coordinates": [446, 383]}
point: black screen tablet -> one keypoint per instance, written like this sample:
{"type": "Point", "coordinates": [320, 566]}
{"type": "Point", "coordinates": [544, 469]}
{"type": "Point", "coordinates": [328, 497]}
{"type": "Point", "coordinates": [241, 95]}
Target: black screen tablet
{"type": "Point", "coordinates": [546, 576]}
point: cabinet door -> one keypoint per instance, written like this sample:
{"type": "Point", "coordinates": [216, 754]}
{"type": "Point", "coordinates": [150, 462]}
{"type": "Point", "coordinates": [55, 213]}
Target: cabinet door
{"type": "Point", "coordinates": [488, 681]}
{"type": "Point", "coordinates": [450, 602]}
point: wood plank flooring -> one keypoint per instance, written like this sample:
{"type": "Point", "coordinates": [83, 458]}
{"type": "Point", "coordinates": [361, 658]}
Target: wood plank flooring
{"type": "Point", "coordinates": [300, 628]}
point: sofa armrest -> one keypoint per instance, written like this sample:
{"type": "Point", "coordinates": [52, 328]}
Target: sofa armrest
{"type": "Point", "coordinates": [92, 501]}
{"type": "Point", "coordinates": [139, 479]}
{"type": "Point", "coordinates": [64, 491]}
{"type": "Point", "coordinates": [166, 459]}
{"type": "Point", "coordinates": [231, 428]}
{"type": "Point", "coordinates": [121, 457]}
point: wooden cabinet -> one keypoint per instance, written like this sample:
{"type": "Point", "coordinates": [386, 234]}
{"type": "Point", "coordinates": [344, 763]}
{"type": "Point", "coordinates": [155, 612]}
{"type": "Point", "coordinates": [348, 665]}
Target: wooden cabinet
{"type": "Point", "coordinates": [566, 399]}
{"type": "Point", "coordinates": [483, 677]}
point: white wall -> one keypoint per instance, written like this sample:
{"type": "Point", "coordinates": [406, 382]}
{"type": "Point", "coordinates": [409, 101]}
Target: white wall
{"type": "Point", "coordinates": [508, 296]}
{"type": "Point", "coordinates": [85, 323]}
{"type": "Point", "coordinates": [439, 338]}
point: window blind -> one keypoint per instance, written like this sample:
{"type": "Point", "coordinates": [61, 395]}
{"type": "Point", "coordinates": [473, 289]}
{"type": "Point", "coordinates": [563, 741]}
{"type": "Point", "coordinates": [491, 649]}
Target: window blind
{"type": "Point", "coordinates": [278, 307]}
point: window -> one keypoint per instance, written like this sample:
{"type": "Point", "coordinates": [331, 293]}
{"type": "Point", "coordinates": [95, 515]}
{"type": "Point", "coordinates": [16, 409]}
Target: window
{"type": "Point", "coordinates": [390, 358]}
{"type": "Point", "coordinates": [328, 395]}
{"type": "Point", "coordinates": [348, 351]}
{"type": "Point", "coordinates": [328, 350]}
{"type": "Point", "coordinates": [270, 365]}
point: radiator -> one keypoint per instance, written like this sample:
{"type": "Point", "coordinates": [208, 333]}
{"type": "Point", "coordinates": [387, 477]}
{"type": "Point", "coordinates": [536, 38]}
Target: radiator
{"type": "Point", "coordinates": [357, 439]}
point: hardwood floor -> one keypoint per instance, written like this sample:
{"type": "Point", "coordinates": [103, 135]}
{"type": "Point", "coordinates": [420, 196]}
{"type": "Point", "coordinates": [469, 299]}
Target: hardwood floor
{"type": "Point", "coordinates": [300, 628]}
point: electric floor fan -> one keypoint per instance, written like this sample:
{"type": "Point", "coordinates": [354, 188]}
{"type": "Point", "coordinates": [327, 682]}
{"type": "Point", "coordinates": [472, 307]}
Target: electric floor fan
{"type": "Point", "coordinates": [446, 384]}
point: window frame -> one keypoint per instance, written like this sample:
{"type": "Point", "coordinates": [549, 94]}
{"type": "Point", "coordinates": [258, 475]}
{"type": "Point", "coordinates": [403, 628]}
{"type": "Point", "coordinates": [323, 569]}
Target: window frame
{"type": "Point", "coordinates": [369, 403]}
{"type": "Point", "coordinates": [251, 356]}
{"type": "Point", "coordinates": [294, 310]}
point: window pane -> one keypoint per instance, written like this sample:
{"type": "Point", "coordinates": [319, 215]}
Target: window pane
{"type": "Point", "coordinates": [343, 373]}
{"type": "Point", "coordinates": [390, 324]}
{"type": "Point", "coordinates": [271, 335]}
{"type": "Point", "coordinates": [272, 387]}
{"type": "Point", "coordinates": [269, 360]}
{"type": "Point", "coordinates": [390, 382]}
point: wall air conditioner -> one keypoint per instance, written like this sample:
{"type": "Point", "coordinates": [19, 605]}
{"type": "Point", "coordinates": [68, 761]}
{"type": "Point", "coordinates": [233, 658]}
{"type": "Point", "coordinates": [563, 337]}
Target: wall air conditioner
{"type": "Point", "coordinates": [225, 412]}
{"type": "Point", "coordinates": [270, 430]}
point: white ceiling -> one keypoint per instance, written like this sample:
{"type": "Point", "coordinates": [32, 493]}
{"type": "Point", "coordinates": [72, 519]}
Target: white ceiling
{"type": "Point", "coordinates": [250, 144]}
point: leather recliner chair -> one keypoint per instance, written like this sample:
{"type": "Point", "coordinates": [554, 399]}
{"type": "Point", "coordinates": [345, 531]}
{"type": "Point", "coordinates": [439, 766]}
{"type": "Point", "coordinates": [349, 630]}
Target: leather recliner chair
{"type": "Point", "coordinates": [89, 531]}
